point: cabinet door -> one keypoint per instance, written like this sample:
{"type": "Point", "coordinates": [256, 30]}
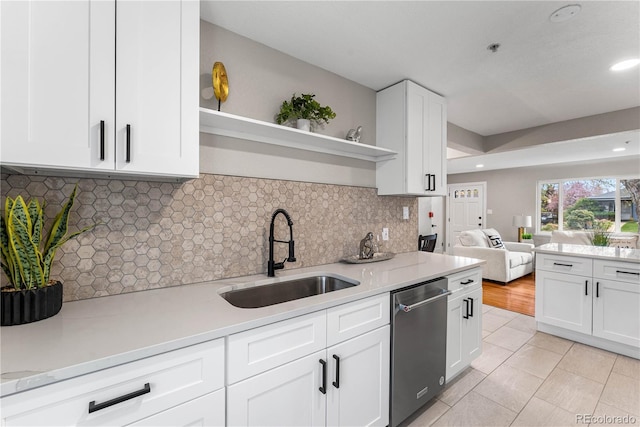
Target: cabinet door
{"type": "Point", "coordinates": [472, 328]}
{"type": "Point", "coordinates": [417, 135]}
{"type": "Point", "coordinates": [564, 300]}
{"type": "Point", "coordinates": [615, 311]}
{"type": "Point", "coordinates": [57, 83]}
{"type": "Point", "coordinates": [435, 161]}
{"type": "Point", "coordinates": [157, 87]}
{"type": "Point", "coordinates": [288, 395]}
{"type": "Point", "coordinates": [207, 410]}
{"type": "Point", "coordinates": [455, 357]}
{"type": "Point", "coordinates": [359, 381]}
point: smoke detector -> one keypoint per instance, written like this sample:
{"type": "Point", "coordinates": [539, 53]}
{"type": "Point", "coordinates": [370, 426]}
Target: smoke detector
{"type": "Point", "coordinates": [565, 13]}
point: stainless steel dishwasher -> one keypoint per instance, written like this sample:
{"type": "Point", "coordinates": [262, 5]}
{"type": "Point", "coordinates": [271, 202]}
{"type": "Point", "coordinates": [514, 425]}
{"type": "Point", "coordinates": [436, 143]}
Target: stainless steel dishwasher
{"type": "Point", "coordinates": [418, 346]}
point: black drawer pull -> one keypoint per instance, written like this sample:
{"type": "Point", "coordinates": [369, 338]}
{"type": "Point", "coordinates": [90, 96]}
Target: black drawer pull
{"type": "Point", "coordinates": [467, 282]}
{"type": "Point", "coordinates": [336, 383]}
{"type": "Point", "coordinates": [93, 407]}
{"type": "Point", "coordinates": [323, 389]}
{"type": "Point", "coordinates": [635, 273]}
{"type": "Point", "coordinates": [101, 139]}
{"type": "Point", "coordinates": [563, 265]}
{"type": "Point", "coordinates": [128, 159]}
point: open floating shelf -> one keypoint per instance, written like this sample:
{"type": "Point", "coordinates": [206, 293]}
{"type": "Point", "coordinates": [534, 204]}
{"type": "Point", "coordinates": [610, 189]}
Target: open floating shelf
{"type": "Point", "coordinates": [219, 123]}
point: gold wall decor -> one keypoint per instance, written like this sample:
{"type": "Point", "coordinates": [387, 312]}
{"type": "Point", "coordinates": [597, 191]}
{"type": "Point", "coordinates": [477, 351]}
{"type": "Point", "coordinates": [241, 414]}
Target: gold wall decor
{"type": "Point", "coordinates": [220, 83]}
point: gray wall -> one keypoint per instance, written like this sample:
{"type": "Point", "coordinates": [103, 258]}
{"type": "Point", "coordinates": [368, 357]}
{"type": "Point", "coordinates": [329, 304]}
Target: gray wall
{"type": "Point", "coordinates": [260, 78]}
{"type": "Point", "coordinates": [513, 191]}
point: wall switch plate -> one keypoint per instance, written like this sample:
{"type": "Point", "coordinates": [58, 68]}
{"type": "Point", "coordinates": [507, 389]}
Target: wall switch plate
{"type": "Point", "coordinates": [405, 212]}
{"type": "Point", "coordinates": [385, 234]}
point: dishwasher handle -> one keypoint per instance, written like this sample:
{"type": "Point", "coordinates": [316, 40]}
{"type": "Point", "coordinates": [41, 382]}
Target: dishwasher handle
{"type": "Point", "coordinates": [408, 308]}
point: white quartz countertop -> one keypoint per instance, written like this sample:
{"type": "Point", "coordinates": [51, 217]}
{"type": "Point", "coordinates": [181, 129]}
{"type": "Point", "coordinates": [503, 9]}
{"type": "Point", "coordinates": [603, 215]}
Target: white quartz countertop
{"type": "Point", "coordinates": [99, 333]}
{"type": "Point", "coordinates": [595, 252]}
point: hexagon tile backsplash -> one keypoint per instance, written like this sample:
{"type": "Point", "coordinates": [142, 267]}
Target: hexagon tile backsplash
{"type": "Point", "coordinates": [158, 234]}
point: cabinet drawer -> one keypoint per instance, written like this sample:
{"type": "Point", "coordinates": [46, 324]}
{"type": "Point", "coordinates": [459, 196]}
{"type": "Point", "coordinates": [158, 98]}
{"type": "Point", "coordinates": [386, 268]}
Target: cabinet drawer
{"type": "Point", "coordinates": [260, 349]}
{"type": "Point", "coordinates": [616, 270]}
{"type": "Point", "coordinates": [350, 320]}
{"type": "Point", "coordinates": [208, 410]}
{"type": "Point", "coordinates": [465, 281]}
{"type": "Point", "coordinates": [564, 264]}
{"type": "Point", "coordinates": [174, 378]}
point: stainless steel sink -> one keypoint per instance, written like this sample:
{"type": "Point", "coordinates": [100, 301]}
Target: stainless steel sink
{"type": "Point", "coordinates": [275, 293]}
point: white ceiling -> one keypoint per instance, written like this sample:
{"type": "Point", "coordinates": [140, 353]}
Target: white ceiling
{"type": "Point", "coordinates": [543, 73]}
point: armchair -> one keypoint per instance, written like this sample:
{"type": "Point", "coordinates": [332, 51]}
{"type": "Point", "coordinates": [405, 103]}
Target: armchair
{"type": "Point", "coordinates": [503, 264]}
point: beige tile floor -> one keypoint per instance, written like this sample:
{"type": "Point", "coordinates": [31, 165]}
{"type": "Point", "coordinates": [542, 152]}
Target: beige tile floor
{"type": "Point", "coordinates": [529, 378]}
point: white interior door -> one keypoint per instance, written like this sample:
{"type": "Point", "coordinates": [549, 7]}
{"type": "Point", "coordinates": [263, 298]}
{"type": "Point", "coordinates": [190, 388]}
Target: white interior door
{"type": "Point", "coordinates": [465, 208]}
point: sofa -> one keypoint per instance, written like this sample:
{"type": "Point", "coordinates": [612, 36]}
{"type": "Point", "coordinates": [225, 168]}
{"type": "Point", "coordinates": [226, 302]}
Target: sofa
{"type": "Point", "coordinates": [505, 261]}
{"type": "Point", "coordinates": [619, 240]}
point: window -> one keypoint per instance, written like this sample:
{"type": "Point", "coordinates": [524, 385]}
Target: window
{"type": "Point", "coordinates": [611, 204]}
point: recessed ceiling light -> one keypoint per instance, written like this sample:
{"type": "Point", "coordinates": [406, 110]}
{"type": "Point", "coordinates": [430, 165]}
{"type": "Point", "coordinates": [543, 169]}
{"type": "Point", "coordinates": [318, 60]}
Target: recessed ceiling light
{"type": "Point", "coordinates": [619, 149]}
{"type": "Point", "coordinates": [565, 13]}
{"type": "Point", "coordinates": [625, 65]}
{"type": "Point", "coordinates": [480, 166]}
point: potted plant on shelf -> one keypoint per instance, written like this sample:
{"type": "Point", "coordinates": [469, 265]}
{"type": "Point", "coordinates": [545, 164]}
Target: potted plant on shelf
{"type": "Point", "coordinates": [305, 111]}
{"type": "Point", "coordinates": [27, 255]}
{"type": "Point", "coordinates": [600, 235]}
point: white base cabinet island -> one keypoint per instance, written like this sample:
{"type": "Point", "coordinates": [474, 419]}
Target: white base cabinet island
{"type": "Point", "coordinates": [590, 295]}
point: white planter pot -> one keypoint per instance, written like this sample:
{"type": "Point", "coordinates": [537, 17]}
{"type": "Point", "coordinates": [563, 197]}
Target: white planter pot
{"type": "Point", "coordinates": [303, 124]}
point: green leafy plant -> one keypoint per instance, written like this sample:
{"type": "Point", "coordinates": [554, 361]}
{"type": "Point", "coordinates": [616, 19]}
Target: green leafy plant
{"type": "Point", "coordinates": [599, 235]}
{"type": "Point", "coordinates": [304, 107]}
{"type": "Point", "coordinates": [527, 236]}
{"type": "Point", "coordinates": [27, 254]}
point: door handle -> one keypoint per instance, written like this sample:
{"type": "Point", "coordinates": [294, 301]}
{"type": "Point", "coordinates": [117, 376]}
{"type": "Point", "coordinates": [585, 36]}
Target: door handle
{"type": "Point", "coordinates": [336, 383]}
{"type": "Point", "coordinates": [408, 308]}
{"type": "Point", "coordinates": [101, 139]}
{"type": "Point", "coordinates": [93, 406]}
{"type": "Point", "coordinates": [428, 186]}
{"type": "Point", "coordinates": [586, 287]}
{"type": "Point", "coordinates": [597, 289]}
{"type": "Point", "coordinates": [466, 309]}
{"type": "Point", "coordinates": [471, 303]}
{"type": "Point", "coordinates": [128, 159]}
{"type": "Point", "coordinates": [434, 182]}
{"type": "Point", "coordinates": [323, 388]}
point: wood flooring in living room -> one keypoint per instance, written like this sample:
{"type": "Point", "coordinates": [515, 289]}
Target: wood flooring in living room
{"type": "Point", "coordinates": [518, 295]}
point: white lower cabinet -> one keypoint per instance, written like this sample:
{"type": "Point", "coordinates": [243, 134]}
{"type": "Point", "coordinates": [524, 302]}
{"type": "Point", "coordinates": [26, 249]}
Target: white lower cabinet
{"type": "Point", "coordinates": [207, 410]}
{"type": "Point", "coordinates": [564, 300]}
{"type": "Point", "coordinates": [344, 384]}
{"type": "Point", "coordinates": [155, 387]}
{"type": "Point", "coordinates": [464, 321]}
{"type": "Point", "coordinates": [593, 301]}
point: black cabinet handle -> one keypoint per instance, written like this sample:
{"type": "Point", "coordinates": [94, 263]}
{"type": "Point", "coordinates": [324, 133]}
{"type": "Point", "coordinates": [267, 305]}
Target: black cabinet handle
{"type": "Point", "coordinates": [586, 284]}
{"type": "Point", "coordinates": [597, 289]}
{"type": "Point", "coordinates": [466, 309]}
{"type": "Point", "coordinates": [93, 406]}
{"type": "Point", "coordinates": [471, 303]}
{"type": "Point", "coordinates": [428, 176]}
{"type": "Point", "coordinates": [101, 139]}
{"type": "Point", "coordinates": [563, 265]}
{"type": "Point", "coordinates": [635, 273]}
{"type": "Point", "coordinates": [467, 282]}
{"type": "Point", "coordinates": [433, 188]}
{"type": "Point", "coordinates": [336, 383]}
{"type": "Point", "coordinates": [128, 159]}
{"type": "Point", "coordinates": [323, 388]}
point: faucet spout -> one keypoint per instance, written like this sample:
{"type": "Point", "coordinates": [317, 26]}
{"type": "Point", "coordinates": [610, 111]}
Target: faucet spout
{"type": "Point", "coordinates": [272, 265]}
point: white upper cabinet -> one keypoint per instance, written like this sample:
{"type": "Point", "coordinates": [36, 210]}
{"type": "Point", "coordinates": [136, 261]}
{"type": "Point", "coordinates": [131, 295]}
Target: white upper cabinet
{"type": "Point", "coordinates": [412, 121]}
{"type": "Point", "coordinates": [76, 73]}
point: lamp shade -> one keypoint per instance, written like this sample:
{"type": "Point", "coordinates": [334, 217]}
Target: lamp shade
{"type": "Point", "coordinates": [522, 221]}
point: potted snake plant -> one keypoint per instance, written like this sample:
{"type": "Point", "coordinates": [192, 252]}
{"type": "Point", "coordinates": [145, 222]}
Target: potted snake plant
{"type": "Point", "coordinates": [27, 255]}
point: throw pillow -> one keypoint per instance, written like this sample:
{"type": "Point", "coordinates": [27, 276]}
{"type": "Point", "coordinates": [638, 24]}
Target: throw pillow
{"type": "Point", "coordinates": [495, 240]}
{"type": "Point", "coordinates": [624, 242]}
{"type": "Point", "coordinates": [473, 238]}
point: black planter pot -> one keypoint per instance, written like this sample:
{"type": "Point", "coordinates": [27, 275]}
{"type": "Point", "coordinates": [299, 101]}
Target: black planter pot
{"type": "Point", "coordinates": [26, 306]}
